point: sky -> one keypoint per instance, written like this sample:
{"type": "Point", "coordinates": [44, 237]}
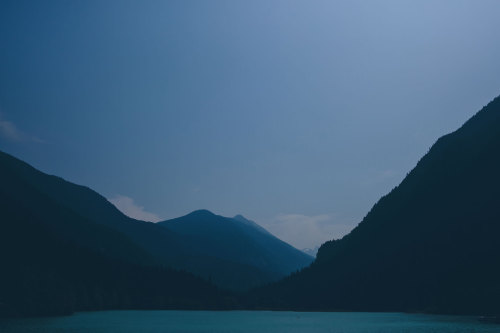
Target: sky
{"type": "Point", "coordinates": [298, 115]}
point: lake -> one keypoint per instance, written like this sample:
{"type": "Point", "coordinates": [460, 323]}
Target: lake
{"type": "Point", "coordinates": [245, 321]}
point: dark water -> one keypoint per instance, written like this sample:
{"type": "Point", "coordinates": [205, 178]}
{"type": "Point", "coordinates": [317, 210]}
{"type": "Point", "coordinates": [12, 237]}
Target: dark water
{"type": "Point", "coordinates": [246, 321]}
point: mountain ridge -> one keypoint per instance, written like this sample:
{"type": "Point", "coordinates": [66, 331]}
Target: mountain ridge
{"type": "Point", "coordinates": [163, 246]}
{"type": "Point", "coordinates": [55, 261]}
{"type": "Point", "coordinates": [431, 244]}
{"type": "Point", "coordinates": [239, 239]}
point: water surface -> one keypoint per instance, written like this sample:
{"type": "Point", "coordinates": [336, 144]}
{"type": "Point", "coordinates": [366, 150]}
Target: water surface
{"type": "Point", "coordinates": [245, 322]}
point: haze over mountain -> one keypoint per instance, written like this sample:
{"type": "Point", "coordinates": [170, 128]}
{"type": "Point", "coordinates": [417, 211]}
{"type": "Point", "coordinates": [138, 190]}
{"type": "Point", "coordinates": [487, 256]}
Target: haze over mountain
{"type": "Point", "coordinates": [274, 109]}
{"type": "Point", "coordinates": [431, 244]}
{"type": "Point", "coordinates": [299, 114]}
{"type": "Point", "coordinates": [237, 240]}
{"type": "Point", "coordinates": [312, 252]}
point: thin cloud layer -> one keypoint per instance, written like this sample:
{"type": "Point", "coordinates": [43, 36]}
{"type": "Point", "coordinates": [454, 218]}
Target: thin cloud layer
{"type": "Point", "coordinates": [11, 132]}
{"type": "Point", "coordinates": [128, 207]}
{"type": "Point", "coordinates": [304, 231]}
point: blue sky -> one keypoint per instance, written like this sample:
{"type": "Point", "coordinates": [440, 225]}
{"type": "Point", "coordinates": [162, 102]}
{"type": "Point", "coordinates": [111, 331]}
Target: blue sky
{"type": "Point", "coordinates": [297, 114]}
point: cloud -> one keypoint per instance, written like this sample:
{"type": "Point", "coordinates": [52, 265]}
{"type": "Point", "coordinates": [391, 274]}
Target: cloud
{"type": "Point", "coordinates": [128, 207]}
{"type": "Point", "coordinates": [9, 131]}
{"type": "Point", "coordinates": [304, 231]}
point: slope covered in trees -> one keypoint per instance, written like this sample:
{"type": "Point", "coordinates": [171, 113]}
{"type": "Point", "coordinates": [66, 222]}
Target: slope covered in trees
{"type": "Point", "coordinates": [163, 246]}
{"type": "Point", "coordinates": [56, 261]}
{"type": "Point", "coordinates": [432, 244]}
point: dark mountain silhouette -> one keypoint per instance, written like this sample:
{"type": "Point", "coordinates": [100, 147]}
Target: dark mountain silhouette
{"type": "Point", "coordinates": [237, 240]}
{"type": "Point", "coordinates": [56, 261]}
{"type": "Point", "coordinates": [79, 217]}
{"type": "Point", "coordinates": [432, 244]}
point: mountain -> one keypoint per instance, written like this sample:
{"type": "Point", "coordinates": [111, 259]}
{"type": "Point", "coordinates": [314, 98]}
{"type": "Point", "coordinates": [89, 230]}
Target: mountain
{"type": "Point", "coordinates": [55, 260]}
{"type": "Point", "coordinates": [240, 241]}
{"type": "Point", "coordinates": [312, 252]}
{"type": "Point", "coordinates": [242, 219]}
{"type": "Point", "coordinates": [432, 244]}
{"type": "Point", "coordinates": [153, 243]}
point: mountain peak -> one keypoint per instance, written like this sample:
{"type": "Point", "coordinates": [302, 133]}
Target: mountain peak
{"type": "Point", "coordinates": [200, 213]}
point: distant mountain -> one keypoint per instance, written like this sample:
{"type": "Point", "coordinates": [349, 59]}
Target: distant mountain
{"type": "Point", "coordinates": [240, 241]}
{"type": "Point", "coordinates": [312, 252]}
{"type": "Point", "coordinates": [432, 244]}
{"type": "Point", "coordinates": [55, 260]}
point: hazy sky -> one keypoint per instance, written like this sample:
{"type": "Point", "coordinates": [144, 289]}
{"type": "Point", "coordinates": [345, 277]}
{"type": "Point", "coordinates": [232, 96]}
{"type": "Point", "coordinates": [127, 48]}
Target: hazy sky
{"type": "Point", "coordinates": [297, 114]}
